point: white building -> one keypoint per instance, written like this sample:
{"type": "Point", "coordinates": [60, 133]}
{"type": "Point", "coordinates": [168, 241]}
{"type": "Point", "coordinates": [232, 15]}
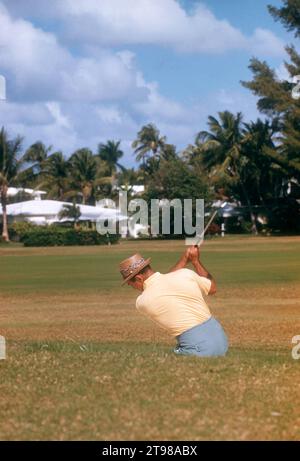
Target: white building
{"type": "Point", "coordinates": [44, 212]}
{"type": "Point", "coordinates": [36, 194]}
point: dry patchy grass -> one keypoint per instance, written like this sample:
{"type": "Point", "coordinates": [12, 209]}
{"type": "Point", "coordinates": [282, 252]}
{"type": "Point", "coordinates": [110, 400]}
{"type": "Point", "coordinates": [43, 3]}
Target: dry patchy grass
{"type": "Point", "coordinates": [83, 364]}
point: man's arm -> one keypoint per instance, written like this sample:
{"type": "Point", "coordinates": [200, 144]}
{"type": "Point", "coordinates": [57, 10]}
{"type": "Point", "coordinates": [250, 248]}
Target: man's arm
{"type": "Point", "coordinates": [194, 258]}
{"type": "Point", "coordinates": [181, 263]}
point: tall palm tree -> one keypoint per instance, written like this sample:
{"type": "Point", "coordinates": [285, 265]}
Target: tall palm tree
{"type": "Point", "coordinates": [11, 165]}
{"type": "Point", "coordinates": [222, 143]}
{"type": "Point", "coordinates": [38, 152]}
{"type": "Point", "coordinates": [259, 141]}
{"type": "Point", "coordinates": [55, 177]}
{"type": "Point", "coordinates": [110, 153]}
{"type": "Point", "coordinates": [83, 170]}
{"type": "Point", "coordinates": [148, 140]}
{"type": "Point", "coordinates": [36, 156]}
{"type": "Point", "coordinates": [222, 154]}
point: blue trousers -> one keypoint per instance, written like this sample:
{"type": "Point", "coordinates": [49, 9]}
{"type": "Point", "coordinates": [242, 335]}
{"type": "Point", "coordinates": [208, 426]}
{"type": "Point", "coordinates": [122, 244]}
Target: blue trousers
{"type": "Point", "coordinates": [205, 340]}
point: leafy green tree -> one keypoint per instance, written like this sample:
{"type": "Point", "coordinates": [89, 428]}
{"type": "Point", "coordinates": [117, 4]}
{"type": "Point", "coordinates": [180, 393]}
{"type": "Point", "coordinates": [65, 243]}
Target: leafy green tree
{"type": "Point", "coordinates": [128, 178]}
{"type": "Point", "coordinates": [168, 152]}
{"type": "Point", "coordinates": [175, 179]}
{"type": "Point", "coordinates": [288, 14]}
{"type": "Point", "coordinates": [275, 95]}
{"type": "Point", "coordinates": [149, 169]}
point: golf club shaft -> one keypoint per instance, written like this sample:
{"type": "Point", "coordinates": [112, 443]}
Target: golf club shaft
{"type": "Point", "coordinates": [206, 227]}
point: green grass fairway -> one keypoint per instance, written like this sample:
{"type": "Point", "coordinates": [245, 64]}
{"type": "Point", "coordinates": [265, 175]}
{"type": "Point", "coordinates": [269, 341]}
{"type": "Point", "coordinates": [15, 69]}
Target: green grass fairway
{"type": "Point", "coordinates": [82, 364]}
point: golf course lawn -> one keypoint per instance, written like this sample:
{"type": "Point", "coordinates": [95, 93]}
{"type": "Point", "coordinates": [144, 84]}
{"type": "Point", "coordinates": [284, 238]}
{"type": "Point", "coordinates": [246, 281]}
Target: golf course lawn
{"type": "Point", "coordinates": [83, 364]}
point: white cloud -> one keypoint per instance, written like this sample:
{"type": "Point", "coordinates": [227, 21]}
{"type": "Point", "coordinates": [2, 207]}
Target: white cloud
{"type": "Point", "coordinates": [155, 105]}
{"type": "Point", "coordinates": [109, 115]}
{"type": "Point", "coordinates": [38, 123]}
{"type": "Point", "coordinates": [60, 119]}
{"type": "Point", "coordinates": [70, 99]}
{"type": "Point", "coordinates": [68, 126]}
{"type": "Point", "coordinates": [154, 22]}
{"type": "Point", "coordinates": [264, 42]}
{"type": "Point", "coordinates": [39, 68]}
{"type": "Point", "coordinates": [165, 23]}
{"type": "Point", "coordinates": [34, 57]}
{"type": "Point", "coordinates": [237, 101]}
{"type": "Point", "coordinates": [28, 113]}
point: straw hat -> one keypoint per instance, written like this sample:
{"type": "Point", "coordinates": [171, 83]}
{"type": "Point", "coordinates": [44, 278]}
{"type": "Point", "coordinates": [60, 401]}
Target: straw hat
{"type": "Point", "coordinates": [132, 266]}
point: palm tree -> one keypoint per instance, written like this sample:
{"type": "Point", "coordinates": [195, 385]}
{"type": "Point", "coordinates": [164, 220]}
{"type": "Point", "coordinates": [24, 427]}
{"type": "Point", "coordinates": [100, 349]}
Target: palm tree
{"type": "Point", "coordinates": [36, 156]}
{"type": "Point", "coordinates": [38, 152]}
{"type": "Point", "coordinates": [222, 154]}
{"type": "Point", "coordinates": [148, 140]}
{"type": "Point", "coordinates": [259, 142]}
{"type": "Point", "coordinates": [110, 153]}
{"type": "Point", "coordinates": [83, 170]}
{"type": "Point", "coordinates": [55, 176]}
{"type": "Point", "coordinates": [11, 165]}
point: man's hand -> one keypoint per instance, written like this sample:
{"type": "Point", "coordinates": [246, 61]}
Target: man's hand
{"type": "Point", "coordinates": [192, 254]}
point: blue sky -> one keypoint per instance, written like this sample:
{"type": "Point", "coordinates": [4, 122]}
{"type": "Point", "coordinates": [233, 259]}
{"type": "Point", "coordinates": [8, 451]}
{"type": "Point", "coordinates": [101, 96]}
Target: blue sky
{"type": "Point", "coordinates": [80, 72]}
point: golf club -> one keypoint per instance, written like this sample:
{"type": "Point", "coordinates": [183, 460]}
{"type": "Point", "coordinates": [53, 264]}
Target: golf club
{"type": "Point", "coordinates": [209, 223]}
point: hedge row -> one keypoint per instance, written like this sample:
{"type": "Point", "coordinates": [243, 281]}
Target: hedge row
{"type": "Point", "coordinates": [65, 237]}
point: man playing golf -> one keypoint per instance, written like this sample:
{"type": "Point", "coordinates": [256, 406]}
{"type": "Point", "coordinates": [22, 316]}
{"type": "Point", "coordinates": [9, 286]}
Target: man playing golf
{"type": "Point", "coordinates": [175, 302]}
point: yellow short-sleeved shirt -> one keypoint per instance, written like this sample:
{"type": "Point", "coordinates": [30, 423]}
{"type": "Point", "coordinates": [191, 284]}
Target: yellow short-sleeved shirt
{"type": "Point", "coordinates": [175, 300]}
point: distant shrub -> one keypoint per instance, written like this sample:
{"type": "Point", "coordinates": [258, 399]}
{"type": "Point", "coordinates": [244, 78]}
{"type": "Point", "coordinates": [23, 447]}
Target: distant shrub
{"type": "Point", "coordinates": [57, 236]}
{"type": "Point", "coordinates": [237, 225]}
{"type": "Point", "coordinates": [18, 229]}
